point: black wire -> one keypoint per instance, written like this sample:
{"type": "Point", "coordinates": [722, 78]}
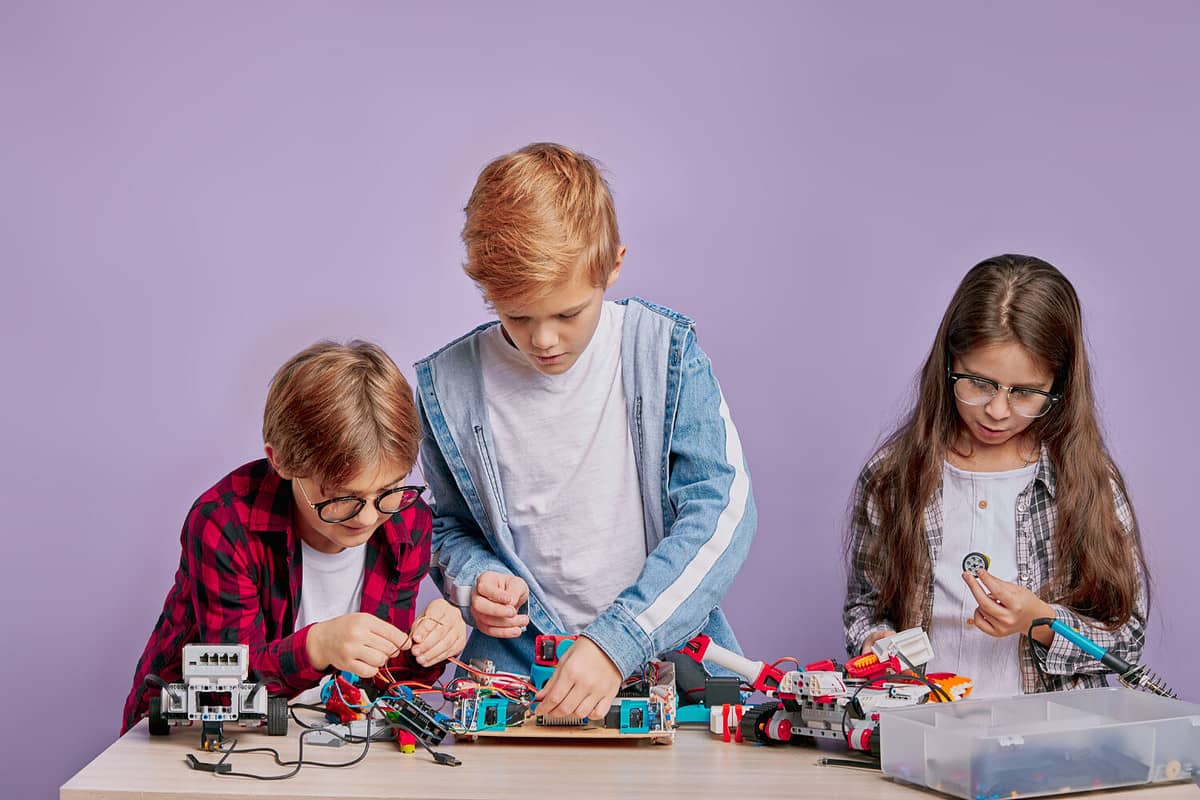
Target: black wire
{"type": "Point", "coordinates": [933, 687]}
{"type": "Point", "coordinates": [307, 707]}
{"type": "Point", "coordinates": [296, 764]}
{"type": "Point", "coordinates": [1037, 651]}
{"type": "Point", "coordinates": [848, 762]}
{"type": "Point", "coordinates": [439, 757]}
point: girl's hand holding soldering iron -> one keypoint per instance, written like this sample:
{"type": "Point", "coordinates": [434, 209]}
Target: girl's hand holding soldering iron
{"type": "Point", "coordinates": [1006, 608]}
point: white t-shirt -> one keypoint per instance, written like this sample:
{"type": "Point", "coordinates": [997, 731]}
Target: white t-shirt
{"type": "Point", "coordinates": [980, 515]}
{"type": "Point", "coordinates": [331, 585]}
{"type": "Point", "coordinates": [566, 467]}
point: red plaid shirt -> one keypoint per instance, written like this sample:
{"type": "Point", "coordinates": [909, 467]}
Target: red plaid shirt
{"type": "Point", "coordinates": [239, 582]}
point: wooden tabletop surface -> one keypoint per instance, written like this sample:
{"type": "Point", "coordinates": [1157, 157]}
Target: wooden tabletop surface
{"type": "Point", "coordinates": [698, 764]}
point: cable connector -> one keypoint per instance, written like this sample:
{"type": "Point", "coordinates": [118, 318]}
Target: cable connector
{"type": "Point", "coordinates": [220, 766]}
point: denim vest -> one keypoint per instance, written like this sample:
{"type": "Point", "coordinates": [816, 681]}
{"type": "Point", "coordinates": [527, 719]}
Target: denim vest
{"type": "Point", "coordinates": [695, 488]}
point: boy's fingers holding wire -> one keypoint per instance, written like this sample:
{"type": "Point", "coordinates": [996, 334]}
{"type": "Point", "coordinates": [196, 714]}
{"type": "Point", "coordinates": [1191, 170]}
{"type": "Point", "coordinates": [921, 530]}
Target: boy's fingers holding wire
{"type": "Point", "coordinates": [439, 651]}
{"type": "Point", "coordinates": [502, 630]}
{"type": "Point", "coordinates": [516, 589]}
{"type": "Point", "coordinates": [361, 668]}
{"type": "Point", "coordinates": [373, 644]}
{"type": "Point", "coordinates": [493, 586]}
{"type": "Point", "coordinates": [396, 639]}
{"type": "Point", "coordinates": [501, 627]}
{"type": "Point", "coordinates": [484, 606]}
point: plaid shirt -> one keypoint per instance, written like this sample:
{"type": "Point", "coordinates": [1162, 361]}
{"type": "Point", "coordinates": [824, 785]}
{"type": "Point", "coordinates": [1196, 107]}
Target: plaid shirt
{"type": "Point", "coordinates": [239, 582]}
{"type": "Point", "coordinates": [1066, 666]}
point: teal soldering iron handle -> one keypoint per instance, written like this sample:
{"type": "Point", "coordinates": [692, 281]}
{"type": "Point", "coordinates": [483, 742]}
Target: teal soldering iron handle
{"type": "Point", "coordinates": [1135, 676]}
{"type": "Point", "coordinates": [1085, 644]}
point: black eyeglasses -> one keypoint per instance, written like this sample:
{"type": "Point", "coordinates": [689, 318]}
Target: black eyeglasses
{"type": "Point", "coordinates": [976, 391]}
{"type": "Point", "coordinates": [342, 509]}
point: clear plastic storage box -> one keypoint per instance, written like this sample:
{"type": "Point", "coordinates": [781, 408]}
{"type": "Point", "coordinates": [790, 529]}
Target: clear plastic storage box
{"type": "Point", "coordinates": [1042, 744]}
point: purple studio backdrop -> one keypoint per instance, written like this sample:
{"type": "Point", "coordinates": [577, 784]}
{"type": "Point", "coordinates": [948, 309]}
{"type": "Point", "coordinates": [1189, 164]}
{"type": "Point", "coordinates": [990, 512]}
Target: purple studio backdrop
{"type": "Point", "coordinates": [191, 193]}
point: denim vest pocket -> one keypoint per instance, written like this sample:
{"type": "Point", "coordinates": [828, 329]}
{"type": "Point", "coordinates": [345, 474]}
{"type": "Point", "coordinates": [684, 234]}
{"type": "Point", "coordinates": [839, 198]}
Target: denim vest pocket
{"type": "Point", "coordinates": [486, 458]}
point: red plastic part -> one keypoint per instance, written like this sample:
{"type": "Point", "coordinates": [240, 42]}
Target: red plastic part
{"type": "Point", "coordinates": [342, 700]}
{"type": "Point", "coordinates": [696, 648]}
{"type": "Point", "coordinates": [780, 730]}
{"type": "Point", "coordinates": [545, 649]}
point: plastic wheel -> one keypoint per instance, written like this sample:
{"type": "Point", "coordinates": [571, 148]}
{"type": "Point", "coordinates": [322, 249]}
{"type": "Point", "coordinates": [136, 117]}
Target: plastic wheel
{"type": "Point", "coordinates": [159, 726]}
{"type": "Point", "coordinates": [973, 562]}
{"type": "Point", "coordinates": [754, 723]}
{"type": "Point", "coordinates": [277, 716]}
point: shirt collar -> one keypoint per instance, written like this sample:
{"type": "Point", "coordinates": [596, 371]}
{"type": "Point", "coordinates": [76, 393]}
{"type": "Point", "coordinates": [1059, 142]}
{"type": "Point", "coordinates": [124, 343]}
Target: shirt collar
{"type": "Point", "coordinates": [1045, 471]}
{"type": "Point", "coordinates": [271, 509]}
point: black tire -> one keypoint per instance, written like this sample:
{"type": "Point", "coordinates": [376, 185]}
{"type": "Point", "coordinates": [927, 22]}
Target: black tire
{"type": "Point", "coordinates": [277, 716]}
{"type": "Point", "coordinates": [158, 723]}
{"type": "Point", "coordinates": [754, 723]}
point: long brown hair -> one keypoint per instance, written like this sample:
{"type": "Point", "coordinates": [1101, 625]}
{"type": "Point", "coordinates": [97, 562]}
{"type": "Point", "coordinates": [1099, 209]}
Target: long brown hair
{"type": "Point", "coordinates": [1021, 299]}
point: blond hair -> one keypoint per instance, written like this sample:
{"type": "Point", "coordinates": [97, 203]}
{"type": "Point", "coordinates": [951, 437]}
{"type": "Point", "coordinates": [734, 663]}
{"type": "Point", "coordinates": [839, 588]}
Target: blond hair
{"type": "Point", "coordinates": [334, 410]}
{"type": "Point", "coordinates": [534, 217]}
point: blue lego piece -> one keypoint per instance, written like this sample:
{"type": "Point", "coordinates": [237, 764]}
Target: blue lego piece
{"type": "Point", "coordinates": [697, 713]}
{"type": "Point", "coordinates": [492, 714]}
{"type": "Point", "coordinates": [539, 674]}
{"type": "Point", "coordinates": [635, 715]}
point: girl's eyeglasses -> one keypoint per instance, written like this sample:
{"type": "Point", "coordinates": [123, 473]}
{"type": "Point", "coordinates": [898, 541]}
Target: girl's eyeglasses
{"type": "Point", "coordinates": [976, 391]}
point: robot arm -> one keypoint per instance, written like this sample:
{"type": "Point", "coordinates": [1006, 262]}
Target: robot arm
{"type": "Point", "coordinates": [762, 677]}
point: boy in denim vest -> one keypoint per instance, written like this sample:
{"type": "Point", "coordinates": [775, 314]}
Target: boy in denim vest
{"type": "Point", "coordinates": [586, 474]}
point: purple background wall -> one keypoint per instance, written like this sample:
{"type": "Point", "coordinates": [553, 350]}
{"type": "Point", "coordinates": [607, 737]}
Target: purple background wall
{"type": "Point", "coordinates": [191, 194]}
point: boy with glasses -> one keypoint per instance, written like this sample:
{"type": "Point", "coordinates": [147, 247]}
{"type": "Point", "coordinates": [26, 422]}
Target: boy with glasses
{"type": "Point", "coordinates": [312, 556]}
{"type": "Point", "coordinates": [587, 475]}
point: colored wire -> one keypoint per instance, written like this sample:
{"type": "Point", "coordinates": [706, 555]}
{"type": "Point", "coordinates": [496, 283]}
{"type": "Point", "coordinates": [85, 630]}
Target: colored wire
{"type": "Point", "coordinates": [216, 768]}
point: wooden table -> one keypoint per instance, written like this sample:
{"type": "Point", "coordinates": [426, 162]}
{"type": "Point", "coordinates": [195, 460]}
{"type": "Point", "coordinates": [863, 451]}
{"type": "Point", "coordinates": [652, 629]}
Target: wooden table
{"type": "Point", "coordinates": [697, 765]}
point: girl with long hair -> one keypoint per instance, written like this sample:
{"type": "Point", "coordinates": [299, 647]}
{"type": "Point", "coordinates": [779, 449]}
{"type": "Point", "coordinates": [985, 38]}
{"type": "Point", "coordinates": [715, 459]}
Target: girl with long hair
{"type": "Point", "coordinates": [1001, 455]}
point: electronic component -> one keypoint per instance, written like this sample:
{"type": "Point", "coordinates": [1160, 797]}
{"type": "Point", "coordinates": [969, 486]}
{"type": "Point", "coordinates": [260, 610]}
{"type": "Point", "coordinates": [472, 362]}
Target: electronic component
{"type": "Point", "coordinates": [722, 690]}
{"type": "Point", "coordinates": [416, 716]}
{"type": "Point", "coordinates": [215, 690]}
{"type": "Point", "coordinates": [501, 704]}
{"type": "Point", "coordinates": [547, 650]}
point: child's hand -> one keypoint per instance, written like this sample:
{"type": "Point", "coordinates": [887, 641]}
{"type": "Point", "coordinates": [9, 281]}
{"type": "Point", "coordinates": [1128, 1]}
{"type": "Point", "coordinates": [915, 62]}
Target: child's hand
{"type": "Point", "coordinates": [438, 633]}
{"type": "Point", "coordinates": [495, 603]}
{"type": "Point", "coordinates": [873, 638]}
{"type": "Point", "coordinates": [360, 643]}
{"type": "Point", "coordinates": [584, 683]}
{"type": "Point", "coordinates": [1005, 608]}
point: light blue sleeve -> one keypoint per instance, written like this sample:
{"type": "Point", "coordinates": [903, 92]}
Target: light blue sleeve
{"type": "Point", "coordinates": [688, 573]}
